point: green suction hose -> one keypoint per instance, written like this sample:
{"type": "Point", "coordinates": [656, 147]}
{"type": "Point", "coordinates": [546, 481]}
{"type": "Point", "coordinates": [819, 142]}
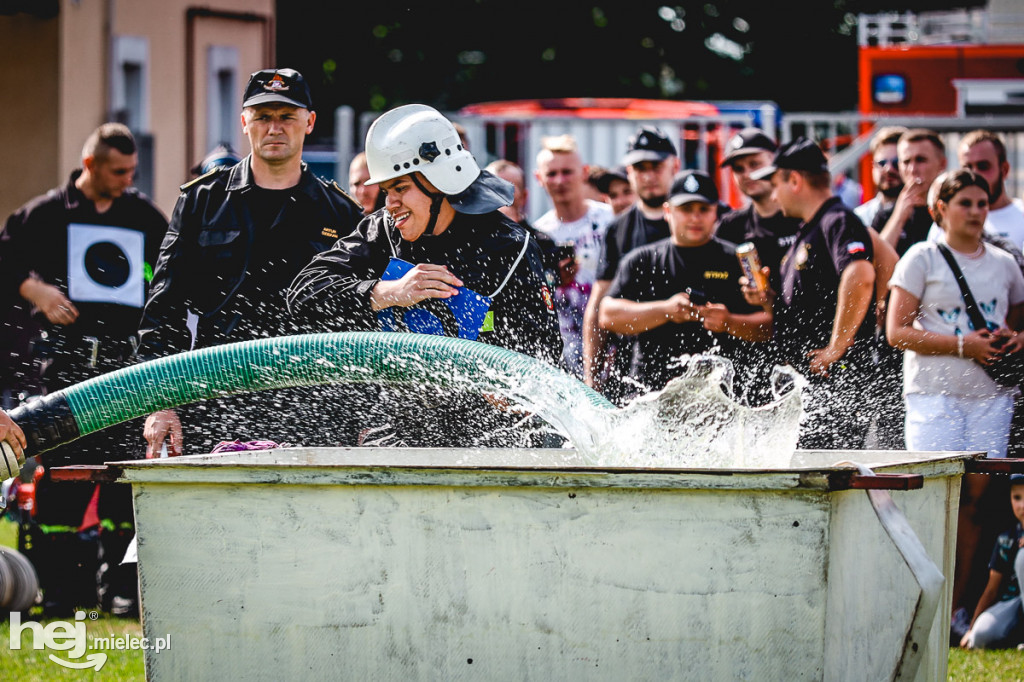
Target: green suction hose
{"type": "Point", "coordinates": [283, 362]}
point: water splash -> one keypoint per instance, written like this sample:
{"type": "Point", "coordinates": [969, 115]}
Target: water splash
{"type": "Point", "coordinates": [694, 422]}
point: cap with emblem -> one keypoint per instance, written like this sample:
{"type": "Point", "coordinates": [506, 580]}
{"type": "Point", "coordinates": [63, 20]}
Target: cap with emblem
{"type": "Point", "coordinates": [649, 144]}
{"type": "Point", "coordinates": [690, 186]}
{"type": "Point", "coordinates": [748, 141]}
{"type": "Point", "coordinates": [800, 155]}
{"type": "Point", "coordinates": [277, 85]}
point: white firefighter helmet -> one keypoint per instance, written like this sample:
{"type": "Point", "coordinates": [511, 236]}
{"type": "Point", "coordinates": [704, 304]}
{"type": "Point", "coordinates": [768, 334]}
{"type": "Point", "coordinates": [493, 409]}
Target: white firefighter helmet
{"type": "Point", "coordinates": [416, 137]}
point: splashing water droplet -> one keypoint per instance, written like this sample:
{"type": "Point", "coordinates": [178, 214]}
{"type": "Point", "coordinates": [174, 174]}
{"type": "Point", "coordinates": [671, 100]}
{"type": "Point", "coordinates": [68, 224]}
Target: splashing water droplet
{"type": "Point", "coordinates": [695, 421]}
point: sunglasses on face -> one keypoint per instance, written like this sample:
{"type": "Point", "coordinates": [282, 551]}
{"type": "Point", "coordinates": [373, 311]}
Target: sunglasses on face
{"type": "Point", "coordinates": [882, 163]}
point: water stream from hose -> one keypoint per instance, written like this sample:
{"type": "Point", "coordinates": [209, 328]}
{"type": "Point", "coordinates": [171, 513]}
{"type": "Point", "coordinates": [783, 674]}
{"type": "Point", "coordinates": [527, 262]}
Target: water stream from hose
{"type": "Point", "coordinates": [694, 422]}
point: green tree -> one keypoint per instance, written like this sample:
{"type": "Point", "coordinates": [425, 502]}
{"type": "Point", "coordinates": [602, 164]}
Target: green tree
{"type": "Point", "coordinates": [799, 54]}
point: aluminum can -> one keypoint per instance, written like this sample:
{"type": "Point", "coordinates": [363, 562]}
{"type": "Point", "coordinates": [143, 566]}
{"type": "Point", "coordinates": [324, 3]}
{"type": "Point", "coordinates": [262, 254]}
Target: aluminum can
{"type": "Point", "coordinates": [751, 264]}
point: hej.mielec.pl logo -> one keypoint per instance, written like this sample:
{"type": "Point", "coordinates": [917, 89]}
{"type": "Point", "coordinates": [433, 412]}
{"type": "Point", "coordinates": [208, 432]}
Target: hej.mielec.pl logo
{"type": "Point", "coordinates": [71, 637]}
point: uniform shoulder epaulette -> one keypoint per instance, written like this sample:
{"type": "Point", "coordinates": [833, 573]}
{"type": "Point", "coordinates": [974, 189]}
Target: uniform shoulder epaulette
{"type": "Point", "coordinates": [204, 176]}
{"type": "Point", "coordinates": [333, 184]}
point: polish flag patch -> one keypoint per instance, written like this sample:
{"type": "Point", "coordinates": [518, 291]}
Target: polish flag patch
{"type": "Point", "coordinates": [855, 247]}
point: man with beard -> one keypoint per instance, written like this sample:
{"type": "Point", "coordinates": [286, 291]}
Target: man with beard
{"type": "Point", "coordinates": [922, 156]}
{"type": "Point", "coordinates": [651, 162]}
{"type": "Point", "coordinates": [885, 172]}
{"type": "Point", "coordinates": [983, 152]}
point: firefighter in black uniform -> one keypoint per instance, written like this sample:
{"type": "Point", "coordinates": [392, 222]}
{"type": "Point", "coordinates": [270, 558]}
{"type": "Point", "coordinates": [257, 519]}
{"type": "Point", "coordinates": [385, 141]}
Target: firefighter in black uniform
{"type": "Point", "coordinates": [439, 234]}
{"type": "Point", "coordinates": [82, 256]}
{"type": "Point", "coordinates": [824, 314]}
{"type": "Point", "coordinates": [237, 238]}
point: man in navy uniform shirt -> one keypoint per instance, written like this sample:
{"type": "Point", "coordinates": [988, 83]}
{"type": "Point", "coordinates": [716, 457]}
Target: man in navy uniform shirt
{"type": "Point", "coordinates": [824, 318]}
{"type": "Point", "coordinates": [237, 238]}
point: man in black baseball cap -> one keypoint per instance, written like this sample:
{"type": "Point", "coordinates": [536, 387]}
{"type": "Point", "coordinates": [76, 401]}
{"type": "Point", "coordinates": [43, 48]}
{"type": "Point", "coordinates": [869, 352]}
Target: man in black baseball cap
{"type": "Point", "coordinates": [682, 294]}
{"type": "Point", "coordinates": [761, 222]}
{"type": "Point", "coordinates": [651, 162]}
{"type": "Point", "coordinates": [824, 314]}
{"type": "Point", "coordinates": [238, 237]}
{"type": "Point", "coordinates": [649, 144]}
{"type": "Point", "coordinates": [691, 186]}
{"type": "Point", "coordinates": [800, 155]}
{"type": "Point", "coordinates": [746, 142]}
{"type": "Point", "coordinates": [614, 183]}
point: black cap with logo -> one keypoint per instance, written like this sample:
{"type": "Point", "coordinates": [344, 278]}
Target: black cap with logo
{"type": "Point", "coordinates": [748, 141]}
{"type": "Point", "coordinates": [277, 85]}
{"type": "Point", "coordinates": [801, 155]}
{"type": "Point", "coordinates": [693, 185]}
{"type": "Point", "coordinates": [649, 144]}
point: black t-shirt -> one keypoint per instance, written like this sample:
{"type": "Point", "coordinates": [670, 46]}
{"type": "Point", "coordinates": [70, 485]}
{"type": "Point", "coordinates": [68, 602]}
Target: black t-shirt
{"type": "Point", "coordinates": [629, 231]}
{"type": "Point", "coordinates": [806, 307]}
{"type": "Point", "coordinates": [658, 271]}
{"type": "Point", "coordinates": [269, 270]}
{"type": "Point", "coordinates": [915, 230]}
{"type": "Point", "coordinates": [771, 236]}
{"type": "Point", "coordinates": [102, 262]}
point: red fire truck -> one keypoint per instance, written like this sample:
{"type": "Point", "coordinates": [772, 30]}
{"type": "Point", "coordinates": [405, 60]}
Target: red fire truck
{"type": "Point", "coordinates": [961, 80]}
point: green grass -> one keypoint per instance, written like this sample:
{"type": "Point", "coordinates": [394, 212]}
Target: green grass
{"type": "Point", "coordinates": [28, 665]}
{"type": "Point", "coordinates": [1005, 665]}
{"type": "Point", "coordinates": [31, 665]}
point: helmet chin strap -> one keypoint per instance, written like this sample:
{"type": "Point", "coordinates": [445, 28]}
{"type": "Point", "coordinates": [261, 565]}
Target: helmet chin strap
{"type": "Point", "coordinates": [435, 204]}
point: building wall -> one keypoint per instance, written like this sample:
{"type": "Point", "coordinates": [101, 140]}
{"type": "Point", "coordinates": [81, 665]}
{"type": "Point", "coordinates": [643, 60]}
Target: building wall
{"type": "Point", "coordinates": [28, 51]}
{"type": "Point", "coordinates": [82, 77]}
{"type": "Point", "coordinates": [178, 127]}
{"type": "Point", "coordinates": [62, 67]}
{"type": "Point", "coordinates": [248, 38]}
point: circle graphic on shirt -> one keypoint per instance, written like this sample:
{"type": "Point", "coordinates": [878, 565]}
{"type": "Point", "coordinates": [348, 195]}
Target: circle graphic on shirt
{"type": "Point", "coordinates": [106, 265]}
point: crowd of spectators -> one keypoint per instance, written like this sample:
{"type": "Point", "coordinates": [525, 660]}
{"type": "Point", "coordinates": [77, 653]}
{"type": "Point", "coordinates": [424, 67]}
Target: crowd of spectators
{"type": "Point", "coordinates": [633, 267]}
{"type": "Point", "coordinates": [861, 302]}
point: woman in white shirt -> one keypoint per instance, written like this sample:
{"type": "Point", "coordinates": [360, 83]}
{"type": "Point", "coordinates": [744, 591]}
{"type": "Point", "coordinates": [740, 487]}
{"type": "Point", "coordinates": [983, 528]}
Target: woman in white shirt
{"type": "Point", "coordinates": [952, 403]}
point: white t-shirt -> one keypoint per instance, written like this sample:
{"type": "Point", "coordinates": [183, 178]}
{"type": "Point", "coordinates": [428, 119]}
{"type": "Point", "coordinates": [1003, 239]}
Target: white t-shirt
{"type": "Point", "coordinates": [867, 211]}
{"type": "Point", "coordinates": [1007, 222]}
{"type": "Point", "coordinates": [585, 234]}
{"type": "Point", "coordinates": [996, 283]}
